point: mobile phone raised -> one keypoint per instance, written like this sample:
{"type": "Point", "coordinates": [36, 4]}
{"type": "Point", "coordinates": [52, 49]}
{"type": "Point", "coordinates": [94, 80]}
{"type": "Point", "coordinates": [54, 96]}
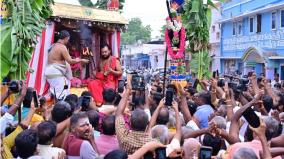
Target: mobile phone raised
{"type": "Point", "coordinates": [205, 152]}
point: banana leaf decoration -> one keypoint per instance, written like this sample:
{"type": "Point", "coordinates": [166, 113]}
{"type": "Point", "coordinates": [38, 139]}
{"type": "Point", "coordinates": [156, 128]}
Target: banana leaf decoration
{"type": "Point", "coordinates": [197, 20]}
{"type": "Point", "coordinates": [19, 33]}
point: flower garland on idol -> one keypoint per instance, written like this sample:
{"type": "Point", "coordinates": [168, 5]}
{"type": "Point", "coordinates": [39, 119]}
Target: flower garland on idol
{"type": "Point", "coordinates": [179, 35]}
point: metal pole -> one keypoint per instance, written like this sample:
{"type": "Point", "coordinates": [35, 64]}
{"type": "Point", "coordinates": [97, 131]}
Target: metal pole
{"type": "Point", "coordinates": [165, 71]}
{"type": "Point", "coordinates": [166, 53]}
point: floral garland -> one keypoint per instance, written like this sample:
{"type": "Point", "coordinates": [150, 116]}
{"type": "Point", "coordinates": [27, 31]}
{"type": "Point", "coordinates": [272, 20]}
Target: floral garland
{"type": "Point", "coordinates": [180, 53]}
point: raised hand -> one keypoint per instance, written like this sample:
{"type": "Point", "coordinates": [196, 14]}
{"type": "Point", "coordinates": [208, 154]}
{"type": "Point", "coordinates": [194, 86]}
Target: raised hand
{"type": "Point", "coordinates": [24, 88]}
{"type": "Point", "coordinates": [162, 102]}
{"type": "Point", "coordinates": [212, 129]}
{"type": "Point", "coordinates": [175, 105]}
{"type": "Point", "coordinates": [259, 131]}
{"type": "Point", "coordinates": [275, 115]}
{"type": "Point", "coordinates": [213, 83]}
{"type": "Point", "coordinates": [259, 95]}
{"type": "Point", "coordinates": [181, 90]}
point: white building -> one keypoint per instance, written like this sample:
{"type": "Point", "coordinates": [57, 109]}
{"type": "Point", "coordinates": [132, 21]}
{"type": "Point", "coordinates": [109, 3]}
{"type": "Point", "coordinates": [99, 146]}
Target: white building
{"type": "Point", "coordinates": [215, 34]}
{"type": "Point", "coordinates": [156, 51]}
{"type": "Point", "coordinates": [129, 52]}
{"type": "Point", "coordinates": [151, 55]}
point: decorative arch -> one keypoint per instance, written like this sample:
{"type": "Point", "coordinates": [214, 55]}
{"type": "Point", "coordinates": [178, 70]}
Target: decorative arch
{"type": "Point", "coordinates": [253, 54]}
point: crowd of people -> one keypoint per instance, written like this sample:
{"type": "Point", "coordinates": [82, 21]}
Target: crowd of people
{"type": "Point", "coordinates": [228, 118]}
{"type": "Point", "coordinates": [215, 120]}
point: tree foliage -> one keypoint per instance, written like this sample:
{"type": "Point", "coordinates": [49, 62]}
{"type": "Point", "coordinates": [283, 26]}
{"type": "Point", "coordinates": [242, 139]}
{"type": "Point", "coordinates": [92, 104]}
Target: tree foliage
{"type": "Point", "coordinates": [87, 3]}
{"type": "Point", "coordinates": [102, 4]}
{"type": "Point", "coordinates": [162, 31]}
{"type": "Point", "coordinates": [136, 31]}
{"type": "Point", "coordinates": [19, 34]}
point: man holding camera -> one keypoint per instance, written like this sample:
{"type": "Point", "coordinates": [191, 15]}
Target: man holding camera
{"type": "Point", "coordinates": [58, 72]}
{"type": "Point", "coordinates": [107, 74]}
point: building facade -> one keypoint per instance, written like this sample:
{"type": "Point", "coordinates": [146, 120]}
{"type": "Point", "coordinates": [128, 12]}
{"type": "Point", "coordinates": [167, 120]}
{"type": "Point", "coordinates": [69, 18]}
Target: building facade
{"type": "Point", "coordinates": [130, 56]}
{"type": "Point", "coordinates": [252, 37]}
{"type": "Point", "coordinates": [156, 52]}
{"type": "Point", "coordinates": [215, 36]}
{"type": "Point", "coordinates": [144, 56]}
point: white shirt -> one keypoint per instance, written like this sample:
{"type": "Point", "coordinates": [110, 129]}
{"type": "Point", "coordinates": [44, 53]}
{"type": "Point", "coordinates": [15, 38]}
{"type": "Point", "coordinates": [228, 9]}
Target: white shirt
{"type": "Point", "coordinates": [6, 119]}
{"type": "Point", "coordinates": [274, 82]}
{"type": "Point", "coordinates": [47, 151]}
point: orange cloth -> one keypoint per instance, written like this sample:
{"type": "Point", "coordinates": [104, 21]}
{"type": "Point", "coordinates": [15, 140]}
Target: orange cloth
{"type": "Point", "coordinates": [255, 145]}
{"type": "Point", "coordinates": [78, 91]}
{"type": "Point", "coordinates": [102, 82]}
{"type": "Point", "coordinates": [10, 99]}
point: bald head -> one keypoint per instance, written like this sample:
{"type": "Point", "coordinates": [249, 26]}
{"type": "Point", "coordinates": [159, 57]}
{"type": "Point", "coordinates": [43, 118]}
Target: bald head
{"type": "Point", "coordinates": [190, 147]}
{"type": "Point", "coordinates": [163, 117]}
{"type": "Point", "coordinates": [245, 153]}
{"type": "Point", "coordinates": [139, 120]}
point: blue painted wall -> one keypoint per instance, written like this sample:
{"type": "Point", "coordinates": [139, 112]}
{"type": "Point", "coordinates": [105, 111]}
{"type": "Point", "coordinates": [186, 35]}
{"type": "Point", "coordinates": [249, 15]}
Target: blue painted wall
{"type": "Point", "coordinates": [237, 7]}
{"type": "Point", "coordinates": [267, 41]}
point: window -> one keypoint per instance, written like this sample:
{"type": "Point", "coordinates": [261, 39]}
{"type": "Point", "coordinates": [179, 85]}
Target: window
{"type": "Point", "coordinates": [273, 20]}
{"type": "Point", "coordinates": [282, 19]}
{"type": "Point", "coordinates": [258, 23]}
{"type": "Point", "coordinates": [240, 31]}
{"type": "Point", "coordinates": [251, 26]}
{"type": "Point", "coordinates": [156, 58]}
{"type": "Point", "coordinates": [218, 35]}
{"type": "Point", "coordinates": [234, 28]}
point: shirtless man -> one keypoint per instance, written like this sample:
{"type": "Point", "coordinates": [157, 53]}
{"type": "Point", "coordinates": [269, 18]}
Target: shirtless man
{"type": "Point", "coordinates": [107, 75]}
{"type": "Point", "coordinates": [58, 72]}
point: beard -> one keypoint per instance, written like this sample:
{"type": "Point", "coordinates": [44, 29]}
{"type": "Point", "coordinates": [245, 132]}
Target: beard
{"type": "Point", "coordinates": [85, 134]}
{"type": "Point", "coordinates": [104, 57]}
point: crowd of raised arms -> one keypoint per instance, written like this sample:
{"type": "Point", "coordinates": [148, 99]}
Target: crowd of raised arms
{"type": "Point", "coordinates": [228, 118]}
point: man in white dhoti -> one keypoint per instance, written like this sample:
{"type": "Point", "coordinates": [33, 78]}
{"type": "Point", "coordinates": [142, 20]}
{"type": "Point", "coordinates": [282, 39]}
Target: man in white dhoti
{"type": "Point", "coordinates": [58, 72]}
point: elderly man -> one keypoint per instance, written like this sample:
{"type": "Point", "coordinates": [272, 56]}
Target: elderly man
{"type": "Point", "coordinates": [131, 140]}
{"type": "Point", "coordinates": [191, 147]}
{"type": "Point", "coordinates": [58, 72]}
{"type": "Point", "coordinates": [244, 153]}
{"type": "Point", "coordinates": [161, 132]}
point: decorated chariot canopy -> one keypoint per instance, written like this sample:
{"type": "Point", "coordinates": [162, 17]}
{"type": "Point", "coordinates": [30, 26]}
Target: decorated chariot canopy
{"type": "Point", "coordinates": [106, 19]}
